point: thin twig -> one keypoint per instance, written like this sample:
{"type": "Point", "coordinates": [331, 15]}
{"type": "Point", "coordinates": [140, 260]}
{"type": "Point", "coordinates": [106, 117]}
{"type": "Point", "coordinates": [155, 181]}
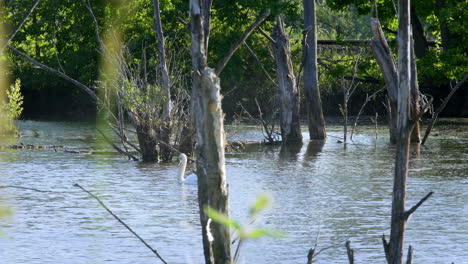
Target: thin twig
{"type": "Point", "coordinates": [261, 64]}
{"type": "Point", "coordinates": [122, 222]}
{"type": "Point", "coordinates": [368, 98]}
{"type": "Point", "coordinates": [17, 29]}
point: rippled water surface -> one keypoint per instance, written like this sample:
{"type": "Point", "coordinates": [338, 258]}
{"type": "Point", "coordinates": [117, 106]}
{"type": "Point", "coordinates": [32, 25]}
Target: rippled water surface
{"type": "Point", "coordinates": [320, 191]}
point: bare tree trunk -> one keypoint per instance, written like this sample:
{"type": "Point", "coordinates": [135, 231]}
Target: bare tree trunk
{"type": "Point", "coordinates": [398, 222]}
{"type": "Point", "coordinates": [394, 248]}
{"type": "Point", "coordinates": [384, 58]}
{"type": "Point", "coordinates": [206, 109]}
{"type": "Point", "coordinates": [165, 130]}
{"type": "Point", "coordinates": [415, 96]}
{"type": "Point", "coordinates": [315, 117]}
{"type": "Point", "coordinates": [288, 92]}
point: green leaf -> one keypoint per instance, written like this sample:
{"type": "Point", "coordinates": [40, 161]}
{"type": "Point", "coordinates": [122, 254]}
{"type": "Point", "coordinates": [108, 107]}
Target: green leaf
{"type": "Point", "coordinates": [263, 202]}
{"type": "Point", "coordinates": [264, 232]}
{"type": "Point", "coordinates": [221, 218]}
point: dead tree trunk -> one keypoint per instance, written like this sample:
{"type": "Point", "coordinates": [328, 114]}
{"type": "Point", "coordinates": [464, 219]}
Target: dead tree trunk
{"type": "Point", "coordinates": [316, 122]}
{"type": "Point", "coordinates": [394, 248]}
{"type": "Point", "coordinates": [385, 59]}
{"type": "Point", "coordinates": [206, 109]}
{"type": "Point", "coordinates": [288, 92]}
{"type": "Point", "coordinates": [165, 128]}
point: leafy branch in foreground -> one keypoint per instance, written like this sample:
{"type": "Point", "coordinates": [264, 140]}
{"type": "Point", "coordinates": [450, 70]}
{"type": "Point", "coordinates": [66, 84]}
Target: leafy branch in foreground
{"type": "Point", "coordinates": [245, 231]}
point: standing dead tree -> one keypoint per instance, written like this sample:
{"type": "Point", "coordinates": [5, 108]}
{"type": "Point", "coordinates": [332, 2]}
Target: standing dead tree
{"type": "Point", "coordinates": [208, 115]}
{"type": "Point", "coordinates": [385, 59]}
{"type": "Point", "coordinates": [164, 129]}
{"type": "Point", "coordinates": [287, 88]}
{"type": "Point", "coordinates": [348, 87]}
{"type": "Point", "coordinates": [394, 248]}
{"type": "Point", "coordinates": [211, 170]}
{"type": "Point", "coordinates": [316, 121]}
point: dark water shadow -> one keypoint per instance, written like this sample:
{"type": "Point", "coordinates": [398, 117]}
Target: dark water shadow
{"type": "Point", "coordinates": [314, 148]}
{"type": "Point", "coordinates": [290, 153]}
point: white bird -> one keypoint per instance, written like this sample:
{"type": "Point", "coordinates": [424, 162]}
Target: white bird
{"type": "Point", "coordinates": [192, 178]}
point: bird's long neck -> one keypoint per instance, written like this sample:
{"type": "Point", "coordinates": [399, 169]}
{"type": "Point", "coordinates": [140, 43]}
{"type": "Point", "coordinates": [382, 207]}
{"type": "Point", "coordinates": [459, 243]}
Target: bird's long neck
{"type": "Point", "coordinates": [181, 172]}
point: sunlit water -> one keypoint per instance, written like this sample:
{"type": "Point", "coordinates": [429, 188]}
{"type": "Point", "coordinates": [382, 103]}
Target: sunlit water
{"type": "Point", "coordinates": [321, 192]}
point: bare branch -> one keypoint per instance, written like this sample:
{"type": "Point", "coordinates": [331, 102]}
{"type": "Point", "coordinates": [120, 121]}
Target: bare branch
{"type": "Point", "coordinates": [415, 207]}
{"type": "Point", "coordinates": [441, 107]}
{"type": "Point", "coordinates": [261, 64]}
{"type": "Point", "coordinates": [24, 188]}
{"type": "Point", "coordinates": [62, 75]}
{"type": "Point", "coordinates": [17, 29]}
{"type": "Point", "coordinates": [117, 147]}
{"type": "Point", "coordinates": [242, 38]}
{"type": "Point", "coordinates": [368, 98]}
{"type": "Point", "coordinates": [266, 35]}
{"type": "Point", "coordinates": [122, 222]}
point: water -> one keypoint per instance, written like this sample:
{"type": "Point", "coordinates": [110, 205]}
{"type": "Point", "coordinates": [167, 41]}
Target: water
{"type": "Point", "coordinates": [321, 192]}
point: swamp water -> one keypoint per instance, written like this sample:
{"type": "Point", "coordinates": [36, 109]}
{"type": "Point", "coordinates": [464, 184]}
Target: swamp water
{"type": "Point", "coordinates": [322, 192]}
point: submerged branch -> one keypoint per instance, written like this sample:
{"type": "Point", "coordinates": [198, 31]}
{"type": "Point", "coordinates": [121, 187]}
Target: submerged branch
{"type": "Point", "coordinates": [24, 188]}
{"type": "Point", "coordinates": [122, 222]}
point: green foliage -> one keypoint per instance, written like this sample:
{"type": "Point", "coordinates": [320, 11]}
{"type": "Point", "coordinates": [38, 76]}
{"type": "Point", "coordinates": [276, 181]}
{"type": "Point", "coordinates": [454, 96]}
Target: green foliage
{"type": "Point", "coordinates": [246, 231]}
{"type": "Point", "coordinates": [12, 109]}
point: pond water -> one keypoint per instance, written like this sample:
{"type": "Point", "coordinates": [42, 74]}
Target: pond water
{"type": "Point", "coordinates": [323, 193]}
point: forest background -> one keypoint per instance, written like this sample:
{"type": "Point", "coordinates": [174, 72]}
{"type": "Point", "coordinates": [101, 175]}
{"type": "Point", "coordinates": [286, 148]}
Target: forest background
{"type": "Point", "coordinates": [61, 34]}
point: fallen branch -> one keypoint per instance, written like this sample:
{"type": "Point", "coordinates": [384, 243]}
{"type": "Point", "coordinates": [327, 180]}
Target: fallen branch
{"type": "Point", "coordinates": [441, 107]}
{"type": "Point", "coordinates": [122, 222]}
{"type": "Point", "coordinates": [129, 155]}
{"type": "Point", "coordinates": [24, 188]}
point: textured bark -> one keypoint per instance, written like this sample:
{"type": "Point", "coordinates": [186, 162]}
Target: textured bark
{"type": "Point", "coordinates": [147, 142]}
{"type": "Point", "coordinates": [206, 109]}
{"type": "Point", "coordinates": [398, 220]}
{"type": "Point", "coordinates": [288, 92]}
{"type": "Point", "coordinates": [164, 130]}
{"type": "Point", "coordinates": [316, 121]}
{"type": "Point", "coordinates": [384, 58]}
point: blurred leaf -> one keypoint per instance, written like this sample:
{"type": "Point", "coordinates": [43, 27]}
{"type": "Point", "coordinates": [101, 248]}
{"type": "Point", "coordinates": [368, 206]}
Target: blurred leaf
{"type": "Point", "coordinates": [263, 202]}
{"type": "Point", "coordinates": [265, 232]}
{"type": "Point", "coordinates": [221, 218]}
